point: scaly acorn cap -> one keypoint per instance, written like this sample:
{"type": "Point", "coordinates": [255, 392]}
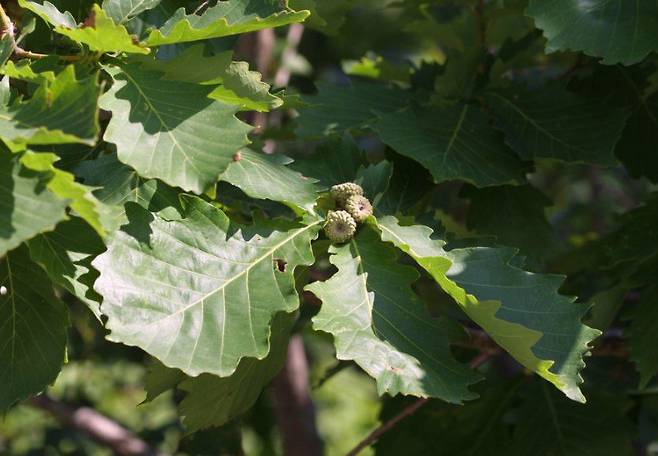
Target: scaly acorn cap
{"type": "Point", "coordinates": [340, 226]}
{"type": "Point", "coordinates": [359, 208]}
{"type": "Point", "coordinates": [341, 192]}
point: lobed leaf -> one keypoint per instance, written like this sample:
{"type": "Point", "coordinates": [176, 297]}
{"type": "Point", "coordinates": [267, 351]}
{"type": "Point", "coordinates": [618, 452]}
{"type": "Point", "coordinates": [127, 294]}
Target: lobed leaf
{"type": "Point", "coordinates": [521, 311]}
{"type": "Point", "coordinates": [28, 208]}
{"type": "Point", "coordinates": [194, 292]}
{"type": "Point", "coordinates": [266, 177]}
{"type": "Point", "coordinates": [64, 110]}
{"type": "Point", "coordinates": [171, 130]}
{"type": "Point", "coordinates": [558, 125]}
{"type": "Point", "coordinates": [228, 17]}
{"type": "Point", "coordinates": [454, 142]}
{"type": "Point", "coordinates": [377, 321]}
{"type": "Point", "coordinates": [99, 32]}
{"type": "Point", "coordinates": [619, 31]}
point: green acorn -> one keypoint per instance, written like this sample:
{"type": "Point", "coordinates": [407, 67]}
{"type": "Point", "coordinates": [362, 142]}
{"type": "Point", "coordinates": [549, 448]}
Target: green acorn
{"type": "Point", "coordinates": [359, 207]}
{"type": "Point", "coordinates": [340, 226]}
{"type": "Point", "coordinates": [341, 192]}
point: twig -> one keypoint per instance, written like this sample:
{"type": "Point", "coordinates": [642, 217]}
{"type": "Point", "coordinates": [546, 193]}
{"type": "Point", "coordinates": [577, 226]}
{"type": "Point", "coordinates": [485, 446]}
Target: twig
{"type": "Point", "coordinates": [295, 412]}
{"type": "Point", "coordinates": [9, 30]}
{"type": "Point", "coordinates": [408, 411]}
{"type": "Point", "coordinates": [99, 427]}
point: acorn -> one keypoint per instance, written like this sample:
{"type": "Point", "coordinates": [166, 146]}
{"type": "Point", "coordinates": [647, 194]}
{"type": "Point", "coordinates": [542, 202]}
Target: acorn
{"type": "Point", "coordinates": [340, 226]}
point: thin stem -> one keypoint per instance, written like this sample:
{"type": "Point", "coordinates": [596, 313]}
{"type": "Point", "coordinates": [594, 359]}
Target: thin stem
{"type": "Point", "coordinates": [9, 30]}
{"type": "Point", "coordinates": [408, 411]}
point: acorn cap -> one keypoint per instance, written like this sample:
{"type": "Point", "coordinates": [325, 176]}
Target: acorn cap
{"type": "Point", "coordinates": [341, 192]}
{"type": "Point", "coordinates": [359, 207]}
{"type": "Point", "coordinates": [340, 226]}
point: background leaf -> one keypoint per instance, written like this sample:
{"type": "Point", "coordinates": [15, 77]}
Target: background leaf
{"type": "Point", "coordinates": [33, 329]}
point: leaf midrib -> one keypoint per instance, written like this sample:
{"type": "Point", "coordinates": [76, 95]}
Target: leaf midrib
{"type": "Point", "coordinates": [253, 264]}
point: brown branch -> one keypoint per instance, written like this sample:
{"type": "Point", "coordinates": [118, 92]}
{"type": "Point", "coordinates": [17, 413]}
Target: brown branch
{"type": "Point", "coordinates": [294, 409]}
{"type": "Point", "coordinates": [409, 410]}
{"type": "Point", "coordinates": [99, 427]}
{"type": "Point", "coordinates": [9, 30]}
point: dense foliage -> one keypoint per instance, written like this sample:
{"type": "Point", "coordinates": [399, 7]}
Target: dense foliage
{"type": "Point", "coordinates": [508, 152]}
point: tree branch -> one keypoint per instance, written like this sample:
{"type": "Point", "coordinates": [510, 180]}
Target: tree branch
{"type": "Point", "coordinates": [408, 411]}
{"type": "Point", "coordinates": [295, 412]}
{"type": "Point", "coordinates": [99, 427]}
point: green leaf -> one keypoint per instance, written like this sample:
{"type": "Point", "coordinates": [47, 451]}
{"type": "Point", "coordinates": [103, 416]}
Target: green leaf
{"type": "Point", "coordinates": [213, 401]}
{"type": "Point", "coordinates": [452, 143]}
{"type": "Point", "coordinates": [99, 32]}
{"type": "Point", "coordinates": [377, 321]}
{"type": "Point", "coordinates": [195, 294]}
{"type": "Point", "coordinates": [171, 130]}
{"type": "Point", "coordinates": [229, 17]}
{"type": "Point", "coordinates": [234, 82]}
{"type": "Point", "coordinates": [64, 110]}
{"type": "Point", "coordinates": [65, 254]}
{"type": "Point", "coordinates": [337, 108]}
{"type": "Point", "coordinates": [643, 335]}
{"type": "Point", "coordinates": [334, 162]}
{"type": "Point", "coordinates": [266, 177]}
{"type": "Point", "coordinates": [24, 70]}
{"type": "Point", "coordinates": [49, 13]}
{"type": "Point", "coordinates": [118, 184]}
{"type": "Point", "coordinates": [515, 215]}
{"type": "Point", "coordinates": [326, 17]}
{"type": "Point", "coordinates": [375, 180]}
{"type": "Point", "coordinates": [122, 11]}
{"type": "Point", "coordinates": [160, 378]}
{"type": "Point", "coordinates": [619, 31]}
{"type": "Point", "coordinates": [550, 424]}
{"type": "Point", "coordinates": [63, 184]}
{"type": "Point", "coordinates": [28, 208]}
{"type": "Point", "coordinates": [33, 329]}
{"type": "Point", "coordinates": [521, 311]}
{"type": "Point", "coordinates": [556, 124]}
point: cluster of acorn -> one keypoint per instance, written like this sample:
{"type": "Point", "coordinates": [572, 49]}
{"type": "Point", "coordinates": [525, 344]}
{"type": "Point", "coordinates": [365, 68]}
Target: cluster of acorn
{"type": "Point", "coordinates": [352, 208]}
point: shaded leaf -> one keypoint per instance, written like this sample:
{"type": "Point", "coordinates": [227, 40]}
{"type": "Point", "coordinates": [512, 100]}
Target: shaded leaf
{"type": "Point", "coordinates": [213, 401]}
{"type": "Point", "coordinates": [28, 208]}
{"type": "Point", "coordinates": [196, 293]}
{"type": "Point", "coordinates": [515, 215]}
{"type": "Point", "coordinates": [117, 184]}
{"type": "Point", "coordinates": [452, 143]}
{"type": "Point", "coordinates": [619, 31]}
{"type": "Point", "coordinates": [337, 108]}
{"type": "Point", "coordinates": [63, 184]}
{"type": "Point", "coordinates": [643, 335]}
{"type": "Point", "coordinates": [65, 254]}
{"type": "Point", "coordinates": [267, 177]}
{"type": "Point", "coordinates": [550, 424]}
{"type": "Point", "coordinates": [33, 329]}
{"type": "Point", "coordinates": [558, 125]}
{"type": "Point", "coordinates": [63, 110]}
{"type": "Point", "coordinates": [377, 321]}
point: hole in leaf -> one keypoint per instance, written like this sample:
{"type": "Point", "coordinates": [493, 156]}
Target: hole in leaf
{"type": "Point", "coordinates": [280, 264]}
